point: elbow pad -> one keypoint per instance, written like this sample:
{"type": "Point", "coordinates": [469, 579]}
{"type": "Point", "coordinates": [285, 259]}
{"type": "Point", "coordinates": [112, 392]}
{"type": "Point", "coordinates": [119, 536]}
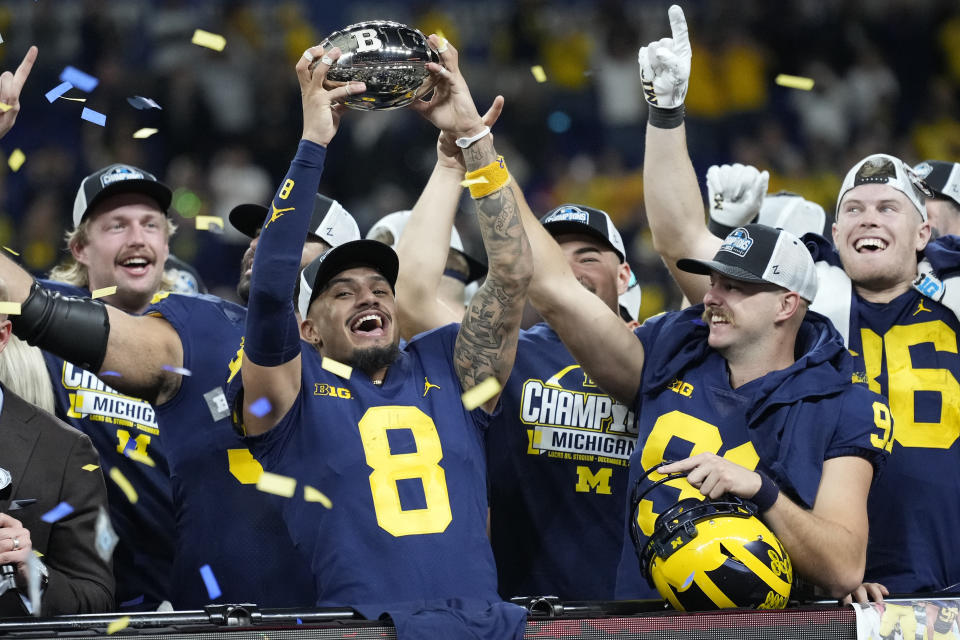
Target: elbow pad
{"type": "Point", "coordinates": [75, 329]}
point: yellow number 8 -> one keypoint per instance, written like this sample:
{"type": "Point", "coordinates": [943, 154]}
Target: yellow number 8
{"type": "Point", "coordinates": [389, 468]}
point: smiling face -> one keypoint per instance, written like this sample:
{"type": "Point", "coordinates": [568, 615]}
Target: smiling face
{"type": "Point", "coordinates": [125, 244]}
{"type": "Point", "coordinates": [877, 234]}
{"type": "Point", "coordinates": [596, 266]}
{"type": "Point", "coordinates": [352, 320]}
{"type": "Point", "coordinates": [740, 315]}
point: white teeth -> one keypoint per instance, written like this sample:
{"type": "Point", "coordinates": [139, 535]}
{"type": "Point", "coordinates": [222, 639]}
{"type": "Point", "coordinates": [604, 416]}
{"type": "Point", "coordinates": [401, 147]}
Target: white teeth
{"type": "Point", "coordinates": [718, 319]}
{"type": "Point", "coordinates": [135, 262]}
{"type": "Point", "coordinates": [369, 317]}
{"type": "Point", "coordinates": [871, 243]}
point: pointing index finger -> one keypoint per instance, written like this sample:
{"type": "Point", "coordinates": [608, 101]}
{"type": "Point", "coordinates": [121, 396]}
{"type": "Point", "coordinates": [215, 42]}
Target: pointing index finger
{"type": "Point", "coordinates": [23, 71]}
{"type": "Point", "coordinates": [678, 29]}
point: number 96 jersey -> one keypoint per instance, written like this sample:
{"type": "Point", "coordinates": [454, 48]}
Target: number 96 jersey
{"type": "Point", "coordinates": [391, 498]}
{"type": "Point", "coordinates": [786, 422]}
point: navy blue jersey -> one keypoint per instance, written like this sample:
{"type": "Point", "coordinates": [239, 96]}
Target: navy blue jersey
{"type": "Point", "coordinates": [557, 456]}
{"type": "Point", "coordinates": [403, 467]}
{"type": "Point", "coordinates": [907, 350]}
{"type": "Point", "coordinates": [222, 519]}
{"type": "Point", "coordinates": [786, 422]}
{"type": "Point", "coordinates": [119, 425]}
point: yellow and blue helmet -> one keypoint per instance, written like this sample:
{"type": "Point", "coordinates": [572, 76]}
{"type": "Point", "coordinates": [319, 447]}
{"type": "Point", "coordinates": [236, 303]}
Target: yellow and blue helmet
{"type": "Point", "coordinates": [712, 554]}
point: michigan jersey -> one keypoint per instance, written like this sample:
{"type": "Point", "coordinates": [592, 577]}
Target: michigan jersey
{"type": "Point", "coordinates": [786, 422]}
{"type": "Point", "coordinates": [223, 521]}
{"type": "Point", "coordinates": [391, 500]}
{"type": "Point", "coordinates": [557, 456]}
{"type": "Point", "coordinates": [125, 432]}
{"type": "Point", "coordinates": [907, 350]}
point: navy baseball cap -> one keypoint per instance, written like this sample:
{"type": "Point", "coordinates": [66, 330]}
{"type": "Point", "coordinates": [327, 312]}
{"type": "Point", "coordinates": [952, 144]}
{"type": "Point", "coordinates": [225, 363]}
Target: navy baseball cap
{"type": "Point", "coordinates": [357, 253]}
{"type": "Point", "coordinates": [329, 221]}
{"type": "Point", "coordinates": [577, 218]}
{"type": "Point", "coordinates": [116, 179]}
{"type": "Point", "coordinates": [943, 178]}
{"type": "Point", "coordinates": [758, 253]}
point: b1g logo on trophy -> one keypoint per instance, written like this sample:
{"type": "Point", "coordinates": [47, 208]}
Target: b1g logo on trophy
{"type": "Point", "coordinates": [388, 56]}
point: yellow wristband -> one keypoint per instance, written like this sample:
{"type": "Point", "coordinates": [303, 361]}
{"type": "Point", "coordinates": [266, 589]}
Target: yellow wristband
{"type": "Point", "coordinates": [488, 179]}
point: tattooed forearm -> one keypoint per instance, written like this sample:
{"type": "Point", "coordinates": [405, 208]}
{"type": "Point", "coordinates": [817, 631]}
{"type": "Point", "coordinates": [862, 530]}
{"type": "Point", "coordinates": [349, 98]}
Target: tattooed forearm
{"type": "Point", "coordinates": [487, 343]}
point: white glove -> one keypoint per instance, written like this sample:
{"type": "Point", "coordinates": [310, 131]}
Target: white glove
{"type": "Point", "coordinates": [736, 192]}
{"type": "Point", "coordinates": [665, 65]}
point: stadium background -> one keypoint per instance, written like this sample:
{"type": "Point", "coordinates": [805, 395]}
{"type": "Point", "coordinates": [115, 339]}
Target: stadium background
{"type": "Point", "coordinates": [887, 78]}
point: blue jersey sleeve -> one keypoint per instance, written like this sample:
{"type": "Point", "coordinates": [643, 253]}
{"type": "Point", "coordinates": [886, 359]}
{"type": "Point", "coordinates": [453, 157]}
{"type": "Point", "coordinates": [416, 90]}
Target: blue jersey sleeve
{"type": "Point", "coordinates": [272, 335]}
{"type": "Point", "coordinates": [864, 428]}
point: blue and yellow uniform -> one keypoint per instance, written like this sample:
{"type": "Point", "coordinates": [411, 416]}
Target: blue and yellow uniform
{"type": "Point", "coordinates": [557, 457]}
{"type": "Point", "coordinates": [786, 422]}
{"type": "Point", "coordinates": [222, 519]}
{"type": "Point", "coordinates": [907, 350]}
{"type": "Point", "coordinates": [125, 432]}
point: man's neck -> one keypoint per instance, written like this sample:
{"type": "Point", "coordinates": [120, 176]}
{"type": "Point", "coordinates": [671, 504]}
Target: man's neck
{"type": "Point", "coordinates": [882, 295]}
{"type": "Point", "coordinates": [134, 305]}
{"type": "Point", "coordinates": [755, 361]}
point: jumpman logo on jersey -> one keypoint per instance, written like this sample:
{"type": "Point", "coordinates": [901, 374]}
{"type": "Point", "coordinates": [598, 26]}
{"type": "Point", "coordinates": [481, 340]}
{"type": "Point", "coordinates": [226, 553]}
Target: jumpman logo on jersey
{"type": "Point", "coordinates": [427, 385]}
{"type": "Point", "coordinates": [920, 308]}
{"type": "Point", "coordinates": [277, 214]}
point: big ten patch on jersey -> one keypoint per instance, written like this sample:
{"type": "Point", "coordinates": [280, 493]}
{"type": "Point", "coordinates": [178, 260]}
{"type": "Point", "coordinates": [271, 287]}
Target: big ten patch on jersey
{"type": "Point", "coordinates": [92, 399]}
{"type": "Point", "coordinates": [568, 417]}
{"type": "Point", "coordinates": [907, 350]}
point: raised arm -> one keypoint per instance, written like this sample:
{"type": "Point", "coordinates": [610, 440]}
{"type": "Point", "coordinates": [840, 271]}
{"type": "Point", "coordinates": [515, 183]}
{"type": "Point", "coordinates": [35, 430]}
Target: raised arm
{"type": "Point", "coordinates": [271, 364]}
{"type": "Point", "coordinates": [423, 247]}
{"type": "Point", "coordinates": [593, 333]}
{"type": "Point", "coordinates": [487, 342]}
{"type": "Point", "coordinates": [675, 210]}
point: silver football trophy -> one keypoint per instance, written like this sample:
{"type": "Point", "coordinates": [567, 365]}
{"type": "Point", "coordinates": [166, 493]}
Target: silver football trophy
{"type": "Point", "coordinates": [388, 56]}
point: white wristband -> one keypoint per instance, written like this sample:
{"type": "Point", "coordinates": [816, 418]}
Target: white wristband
{"type": "Point", "coordinates": [463, 143]}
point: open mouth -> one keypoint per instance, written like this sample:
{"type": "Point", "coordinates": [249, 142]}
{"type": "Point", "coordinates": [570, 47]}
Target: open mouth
{"type": "Point", "coordinates": [135, 265]}
{"type": "Point", "coordinates": [870, 245]}
{"type": "Point", "coordinates": [369, 324]}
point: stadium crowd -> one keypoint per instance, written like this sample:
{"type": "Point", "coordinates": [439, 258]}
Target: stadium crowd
{"type": "Point", "coordinates": [381, 423]}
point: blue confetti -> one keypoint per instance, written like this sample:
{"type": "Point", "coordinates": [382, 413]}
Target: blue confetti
{"type": "Point", "coordinates": [180, 370]}
{"type": "Point", "coordinates": [213, 589]}
{"type": "Point", "coordinates": [139, 102]}
{"type": "Point", "coordinates": [79, 79]}
{"type": "Point", "coordinates": [61, 510]}
{"type": "Point", "coordinates": [135, 601]}
{"type": "Point", "coordinates": [94, 116]}
{"type": "Point", "coordinates": [58, 91]}
{"type": "Point", "coordinates": [299, 621]}
{"type": "Point", "coordinates": [260, 407]}
{"type": "Point", "coordinates": [111, 373]}
{"type": "Point", "coordinates": [699, 322]}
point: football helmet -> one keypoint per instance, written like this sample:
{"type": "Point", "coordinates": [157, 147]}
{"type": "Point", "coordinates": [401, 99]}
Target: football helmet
{"type": "Point", "coordinates": [711, 554]}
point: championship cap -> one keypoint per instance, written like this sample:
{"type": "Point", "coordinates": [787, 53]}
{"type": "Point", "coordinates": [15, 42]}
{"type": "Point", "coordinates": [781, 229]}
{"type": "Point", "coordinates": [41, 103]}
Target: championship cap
{"type": "Point", "coordinates": [943, 178]}
{"type": "Point", "coordinates": [329, 221]}
{"type": "Point", "coordinates": [389, 228]}
{"type": "Point", "coordinates": [880, 168]}
{"type": "Point", "coordinates": [758, 253]}
{"type": "Point", "coordinates": [577, 218]}
{"type": "Point", "coordinates": [116, 179]}
{"type": "Point", "coordinates": [356, 253]}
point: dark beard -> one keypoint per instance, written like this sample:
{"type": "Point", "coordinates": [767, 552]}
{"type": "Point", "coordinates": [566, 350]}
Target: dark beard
{"type": "Point", "coordinates": [243, 285]}
{"type": "Point", "coordinates": [373, 359]}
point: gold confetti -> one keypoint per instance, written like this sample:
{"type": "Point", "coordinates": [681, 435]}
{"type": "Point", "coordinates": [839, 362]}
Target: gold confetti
{"type": "Point", "coordinates": [538, 73]}
{"type": "Point", "coordinates": [74, 99]}
{"type": "Point", "coordinates": [480, 180]}
{"type": "Point", "coordinates": [37, 553]}
{"type": "Point", "coordinates": [12, 251]}
{"type": "Point", "coordinates": [209, 223]}
{"type": "Point", "coordinates": [142, 458]}
{"type": "Point", "coordinates": [16, 159]}
{"type": "Point", "coordinates": [90, 467]}
{"type": "Point", "coordinates": [10, 308]}
{"type": "Point", "coordinates": [117, 625]}
{"type": "Point", "coordinates": [794, 82]}
{"type": "Point", "coordinates": [473, 398]}
{"type": "Point", "coordinates": [209, 40]}
{"type": "Point", "coordinates": [124, 485]}
{"type": "Point", "coordinates": [337, 368]}
{"type": "Point", "coordinates": [443, 38]}
{"type": "Point", "coordinates": [313, 495]}
{"type": "Point", "coordinates": [146, 132]}
{"type": "Point", "coordinates": [276, 484]}
{"type": "Point", "coordinates": [104, 292]}
{"type": "Point", "coordinates": [4, 107]}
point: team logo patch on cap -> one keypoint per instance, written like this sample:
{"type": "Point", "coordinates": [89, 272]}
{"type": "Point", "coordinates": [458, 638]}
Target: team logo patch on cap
{"type": "Point", "coordinates": [566, 214]}
{"type": "Point", "coordinates": [119, 174]}
{"type": "Point", "coordinates": [923, 169]}
{"type": "Point", "coordinates": [738, 242]}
